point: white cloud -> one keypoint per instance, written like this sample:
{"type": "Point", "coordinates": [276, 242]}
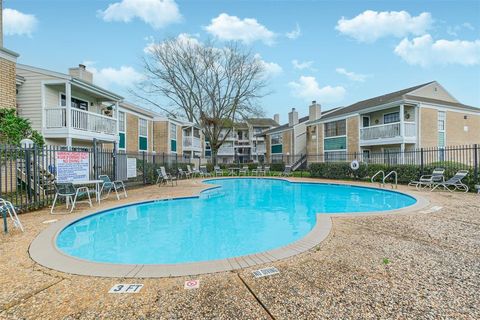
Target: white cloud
{"type": "Point", "coordinates": [308, 89]}
{"type": "Point", "coordinates": [424, 51]}
{"type": "Point", "coordinates": [295, 33]}
{"type": "Point", "coordinates": [157, 13]}
{"type": "Point", "coordinates": [372, 25]}
{"type": "Point", "coordinates": [272, 69]}
{"type": "Point", "coordinates": [453, 31]}
{"type": "Point", "coordinates": [352, 75]}
{"type": "Point", "coordinates": [248, 30]}
{"type": "Point", "coordinates": [18, 23]}
{"type": "Point", "coordinates": [182, 37]}
{"type": "Point", "coordinates": [302, 65]}
{"type": "Point", "coordinates": [125, 76]}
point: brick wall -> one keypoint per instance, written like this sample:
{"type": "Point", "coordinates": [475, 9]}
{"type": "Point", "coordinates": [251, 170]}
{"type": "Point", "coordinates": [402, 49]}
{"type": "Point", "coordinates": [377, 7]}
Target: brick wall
{"type": "Point", "coordinates": [7, 84]}
{"type": "Point", "coordinates": [461, 131]}
{"type": "Point", "coordinates": [428, 128]}
{"type": "Point", "coordinates": [160, 133]}
{"type": "Point", "coordinates": [132, 133]}
{"type": "Point", "coordinates": [353, 144]}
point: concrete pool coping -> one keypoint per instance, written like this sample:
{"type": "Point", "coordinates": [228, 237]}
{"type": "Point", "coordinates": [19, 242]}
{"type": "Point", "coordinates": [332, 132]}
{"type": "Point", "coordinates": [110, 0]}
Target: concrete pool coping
{"type": "Point", "coordinates": [44, 251]}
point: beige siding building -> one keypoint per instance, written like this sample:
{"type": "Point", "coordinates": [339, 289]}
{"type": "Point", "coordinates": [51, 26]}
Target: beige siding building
{"type": "Point", "coordinates": [418, 117]}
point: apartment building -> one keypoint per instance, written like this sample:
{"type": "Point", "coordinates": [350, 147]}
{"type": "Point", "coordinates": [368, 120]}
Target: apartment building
{"type": "Point", "coordinates": [8, 79]}
{"type": "Point", "coordinates": [242, 143]}
{"type": "Point", "coordinates": [422, 116]}
{"type": "Point", "coordinates": [91, 111]}
{"type": "Point", "coordinates": [287, 142]}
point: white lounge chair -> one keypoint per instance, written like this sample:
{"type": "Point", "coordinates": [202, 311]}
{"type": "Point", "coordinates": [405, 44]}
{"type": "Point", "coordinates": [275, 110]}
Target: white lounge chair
{"type": "Point", "coordinates": [164, 177]}
{"type": "Point", "coordinates": [108, 185]}
{"type": "Point", "coordinates": [455, 182]}
{"type": "Point", "coordinates": [218, 171]}
{"type": "Point", "coordinates": [243, 170]}
{"type": "Point", "coordinates": [287, 172]}
{"type": "Point", "coordinates": [428, 181]}
{"type": "Point", "coordinates": [8, 207]}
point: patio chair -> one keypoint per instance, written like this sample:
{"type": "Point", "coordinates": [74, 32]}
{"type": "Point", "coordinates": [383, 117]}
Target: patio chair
{"type": "Point", "coordinates": [204, 172]}
{"type": "Point", "coordinates": [243, 170]}
{"type": "Point", "coordinates": [68, 190]}
{"type": "Point", "coordinates": [266, 170]}
{"type": "Point", "coordinates": [164, 177]}
{"type": "Point", "coordinates": [455, 182]}
{"type": "Point", "coordinates": [258, 170]}
{"type": "Point", "coordinates": [428, 181]}
{"type": "Point", "coordinates": [184, 174]}
{"type": "Point", "coordinates": [193, 172]}
{"type": "Point", "coordinates": [108, 185]}
{"type": "Point", "coordinates": [287, 172]}
{"type": "Point", "coordinates": [218, 171]}
{"type": "Point", "coordinates": [8, 207]}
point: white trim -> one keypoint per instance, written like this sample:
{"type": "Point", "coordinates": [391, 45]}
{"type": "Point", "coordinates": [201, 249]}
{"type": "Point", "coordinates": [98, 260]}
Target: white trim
{"type": "Point", "coordinates": [124, 127]}
{"type": "Point", "coordinates": [427, 105]}
{"type": "Point", "coordinates": [135, 113]}
{"type": "Point", "coordinates": [8, 54]}
{"type": "Point", "coordinates": [141, 135]}
{"type": "Point", "coordinates": [434, 83]}
{"type": "Point", "coordinates": [176, 138]}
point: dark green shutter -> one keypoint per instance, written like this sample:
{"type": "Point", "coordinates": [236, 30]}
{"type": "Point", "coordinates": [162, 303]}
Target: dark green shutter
{"type": "Point", "coordinates": [173, 144]}
{"type": "Point", "coordinates": [339, 143]}
{"type": "Point", "coordinates": [121, 143]}
{"type": "Point", "coordinates": [142, 143]}
{"type": "Point", "coordinates": [278, 148]}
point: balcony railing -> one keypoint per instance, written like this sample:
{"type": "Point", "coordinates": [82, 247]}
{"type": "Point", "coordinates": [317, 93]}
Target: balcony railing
{"type": "Point", "coordinates": [259, 150]}
{"type": "Point", "coordinates": [80, 120]}
{"type": "Point", "coordinates": [386, 131]}
{"type": "Point", "coordinates": [192, 142]}
{"type": "Point", "coordinates": [226, 151]}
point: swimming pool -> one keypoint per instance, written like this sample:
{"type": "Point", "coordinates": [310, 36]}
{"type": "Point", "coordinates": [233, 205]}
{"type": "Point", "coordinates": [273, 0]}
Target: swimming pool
{"type": "Point", "coordinates": [241, 217]}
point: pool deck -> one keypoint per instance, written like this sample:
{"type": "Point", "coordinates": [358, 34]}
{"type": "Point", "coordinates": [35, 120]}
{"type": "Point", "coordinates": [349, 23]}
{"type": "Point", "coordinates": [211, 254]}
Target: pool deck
{"type": "Point", "coordinates": [432, 271]}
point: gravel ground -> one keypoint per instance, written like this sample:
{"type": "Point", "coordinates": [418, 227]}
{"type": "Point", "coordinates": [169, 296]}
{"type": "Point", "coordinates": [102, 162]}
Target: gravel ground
{"type": "Point", "coordinates": [409, 266]}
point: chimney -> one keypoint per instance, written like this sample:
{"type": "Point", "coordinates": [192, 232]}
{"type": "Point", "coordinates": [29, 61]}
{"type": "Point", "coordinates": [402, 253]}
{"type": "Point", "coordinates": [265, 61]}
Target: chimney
{"type": "Point", "coordinates": [292, 118]}
{"type": "Point", "coordinates": [81, 73]}
{"type": "Point", "coordinates": [314, 111]}
{"type": "Point", "coordinates": [276, 118]}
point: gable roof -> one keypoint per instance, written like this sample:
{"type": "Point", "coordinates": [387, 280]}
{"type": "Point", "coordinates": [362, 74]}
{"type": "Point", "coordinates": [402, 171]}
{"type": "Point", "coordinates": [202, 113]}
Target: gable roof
{"type": "Point", "coordinates": [442, 102]}
{"type": "Point", "coordinates": [283, 127]}
{"type": "Point", "coordinates": [262, 122]}
{"type": "Point", "coordinates": [376, 101]}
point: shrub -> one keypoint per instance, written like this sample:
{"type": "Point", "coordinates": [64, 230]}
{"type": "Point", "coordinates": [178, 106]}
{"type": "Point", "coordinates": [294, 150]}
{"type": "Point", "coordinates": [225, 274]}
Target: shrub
{"type": "Point", "coordinates": [15, 128]}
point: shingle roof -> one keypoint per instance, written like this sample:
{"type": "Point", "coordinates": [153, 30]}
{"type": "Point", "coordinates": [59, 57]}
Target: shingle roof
{"type": "Point", "coordinates": [283, 127]}
{"type": "Point", "coordinates": [262, 122]}
{"type": "Point", "coordinates": [372, 102]}
{"type": "Point", "coordinates": [443, 102]}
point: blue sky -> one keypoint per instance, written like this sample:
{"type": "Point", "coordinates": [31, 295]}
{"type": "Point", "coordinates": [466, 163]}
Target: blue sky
{"type": "Point", "coordinates": [335, 52]}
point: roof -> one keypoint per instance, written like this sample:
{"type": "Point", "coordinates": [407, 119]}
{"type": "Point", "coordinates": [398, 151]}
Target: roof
{"type": "Point", "coordinates": [283, 127]}
{"type": "Point", "coordinates": [70, 78]}
{"type": "Point", "coordinates": [240, 125]}
{"type": "Point", "coordinates": [376, 101]}
{"type": "Point", "coordinates": [442, 102]}
{"type": "Point", "coordinates": [262, 122]}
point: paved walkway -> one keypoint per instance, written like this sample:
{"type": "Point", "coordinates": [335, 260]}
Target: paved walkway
{"type": "Point", "coordinates": [421, 265]}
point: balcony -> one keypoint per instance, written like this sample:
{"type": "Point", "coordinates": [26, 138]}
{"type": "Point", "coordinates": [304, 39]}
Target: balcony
{"type": "Point", "coordinates": [388, 133]}
{"type": "Point", "coordinates": [82, 123]}
{"type": "Point", "coordinates": [260, 150]}
{"type": "Point", "coordinates": [192, 143]}
{"type": "Point", "coordinates": [226, 151]}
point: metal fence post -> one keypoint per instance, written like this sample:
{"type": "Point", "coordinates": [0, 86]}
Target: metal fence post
{"type": "Point", "coordinates": [144, 168]}
{"type": "Point", "coordinates": [475, 161]}
{"type": "Point", "coordinates": [114, 160]}
{"type": "Point", "coordinates": [421, 161]}
{"type": "Point", "coordinates": [95, 159]}
{"type": "Point", "coordinates": [27, 174]}
{"type": "Point", "coordinates": [36, 178]}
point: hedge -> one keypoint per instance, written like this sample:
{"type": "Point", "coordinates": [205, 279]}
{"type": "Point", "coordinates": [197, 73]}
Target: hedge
{"type": "Point", "coordinates": [406, 172]}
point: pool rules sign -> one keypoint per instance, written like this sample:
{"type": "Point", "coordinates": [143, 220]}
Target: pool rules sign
{"type": "Point", "coordinates": [72, 166]}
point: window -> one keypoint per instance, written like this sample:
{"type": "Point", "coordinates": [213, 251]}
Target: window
{"type": "Point", "coordinates": [391, 117]}
{"type": "Point", "coordinates": [173, 137]}
{"type": "Point", "coordinates": [332, 156]}
{"type": "Point", "coordinates": [121, 121]}
{"type": "Point", "coordinates": [277, 138]}
{"type": "Point", "coordinates": [335, 128]}
{"type": "Point", "coordinates": [142, 134]}
{"type": "Point", "coordinates": [441, 128]}
{"type": "Point", "coordinates": [336, 143]}
{"type": "Point", "coordinates": [366, 122]}
{"type": "Point", "coordinates": [76, 103]}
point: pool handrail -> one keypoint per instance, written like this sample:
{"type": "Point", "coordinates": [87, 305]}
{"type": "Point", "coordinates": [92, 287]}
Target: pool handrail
{"type": "Point", "coordinates": [376, 174]}
{"type": "Point", "coordinates": [396, 178]}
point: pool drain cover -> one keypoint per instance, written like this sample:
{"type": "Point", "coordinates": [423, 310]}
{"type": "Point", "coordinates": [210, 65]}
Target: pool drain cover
{"type": "Point", "coordinates": [265, 272]}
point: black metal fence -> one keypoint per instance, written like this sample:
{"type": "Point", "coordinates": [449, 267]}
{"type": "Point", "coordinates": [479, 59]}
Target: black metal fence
{"type": "Point", "coordinates": [27, 175]}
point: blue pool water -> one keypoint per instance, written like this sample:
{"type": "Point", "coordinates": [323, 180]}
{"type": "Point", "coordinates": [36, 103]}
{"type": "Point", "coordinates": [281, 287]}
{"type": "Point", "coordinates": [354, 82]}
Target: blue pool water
{"type": "Point", "coordinates": [243, 216]}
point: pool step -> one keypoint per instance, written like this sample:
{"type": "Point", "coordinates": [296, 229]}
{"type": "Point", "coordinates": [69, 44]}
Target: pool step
{"type": "Point", "coordinates": [212, 194]}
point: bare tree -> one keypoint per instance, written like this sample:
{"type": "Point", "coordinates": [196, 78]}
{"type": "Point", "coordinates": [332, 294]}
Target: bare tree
{"type": "Point", "coordinates": [212, 87]}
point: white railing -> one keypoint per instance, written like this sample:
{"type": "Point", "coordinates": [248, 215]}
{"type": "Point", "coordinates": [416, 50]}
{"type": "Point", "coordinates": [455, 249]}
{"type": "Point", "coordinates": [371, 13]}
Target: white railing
{"type": "Point", "coordinates": [194, 142]}
{"type": "Point", "coordinates": [225, 151]}
{"type": "Point", "coordinates": [93, 122]}
{"type": "Point", "coordinates": [80, 120]}
{"type": "Point", "coordinates": [410, 129]}
{"type": "Point", "coordinates": [259, 150]}
{"type": "Point", "coordinates": [55, 118]}
{"type": "Point", "coordinates": [385, 131]}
